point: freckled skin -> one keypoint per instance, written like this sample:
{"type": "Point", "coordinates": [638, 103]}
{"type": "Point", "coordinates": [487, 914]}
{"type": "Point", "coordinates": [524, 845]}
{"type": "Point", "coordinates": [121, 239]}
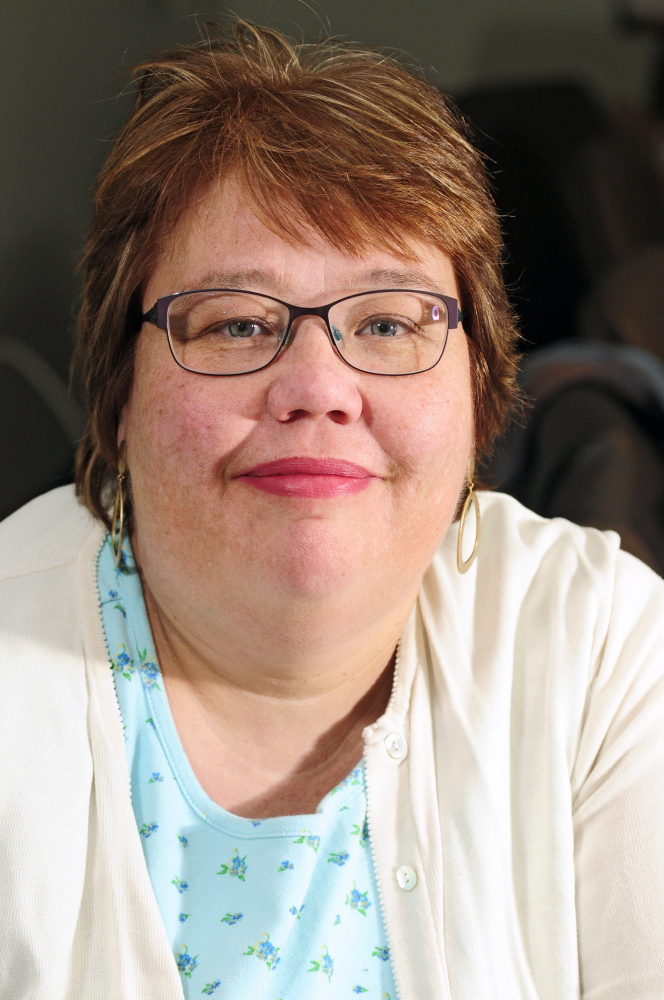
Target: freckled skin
{"type": "Point", "coordinates": [255, 596]}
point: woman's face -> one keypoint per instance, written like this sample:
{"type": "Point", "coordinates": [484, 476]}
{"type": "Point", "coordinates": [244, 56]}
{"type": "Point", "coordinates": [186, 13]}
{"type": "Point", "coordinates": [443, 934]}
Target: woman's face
{"type": "Point", "coordinates": [203, 526]}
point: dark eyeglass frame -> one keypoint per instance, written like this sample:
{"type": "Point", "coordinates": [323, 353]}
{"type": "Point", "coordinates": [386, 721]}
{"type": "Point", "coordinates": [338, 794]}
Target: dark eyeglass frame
{"type": "Point", "coordinates": [158, 316]}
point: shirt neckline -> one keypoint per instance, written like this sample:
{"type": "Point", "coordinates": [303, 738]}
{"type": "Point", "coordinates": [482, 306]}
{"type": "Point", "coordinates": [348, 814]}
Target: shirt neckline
{"type": "Point", "coordinates": [139, 638]}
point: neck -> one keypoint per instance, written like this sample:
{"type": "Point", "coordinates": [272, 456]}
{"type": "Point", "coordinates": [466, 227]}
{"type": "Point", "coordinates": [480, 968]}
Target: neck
{"type": "Point", "coordinates": [285, 700]}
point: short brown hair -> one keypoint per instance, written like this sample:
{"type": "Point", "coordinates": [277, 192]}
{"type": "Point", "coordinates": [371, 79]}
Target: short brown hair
{"type": "Point", "coordinates": [356, 143]}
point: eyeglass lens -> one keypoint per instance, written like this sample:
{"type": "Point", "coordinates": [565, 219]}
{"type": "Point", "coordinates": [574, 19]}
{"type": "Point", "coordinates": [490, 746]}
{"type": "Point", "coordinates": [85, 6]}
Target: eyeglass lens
{"type": "Point", "coordinates": [232, 333]}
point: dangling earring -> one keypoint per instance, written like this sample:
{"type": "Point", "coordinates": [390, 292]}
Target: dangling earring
{"type": "Point", "coordinates": [471, 497]}
{"type": "Point", "coordinates": [117, 524]}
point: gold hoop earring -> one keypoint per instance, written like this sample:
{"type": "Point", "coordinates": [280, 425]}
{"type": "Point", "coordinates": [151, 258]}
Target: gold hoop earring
{"type": "Point", "coordinates": [471, 497]}
{"type": "Point", "coordinates": [117, 524]}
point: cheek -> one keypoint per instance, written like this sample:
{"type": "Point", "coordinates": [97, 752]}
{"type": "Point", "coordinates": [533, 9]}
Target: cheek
{"type": "Point", "coordinates": [427, 425]}
{"type": "Point", "coordinates": [182, 426]}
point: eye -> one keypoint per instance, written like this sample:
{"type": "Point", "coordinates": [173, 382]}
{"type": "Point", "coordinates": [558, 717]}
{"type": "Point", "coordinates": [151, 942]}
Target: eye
{"type": "Point", "coordinates": [386, 326]}
{"type": "Point", "coordinates": [243, 328]}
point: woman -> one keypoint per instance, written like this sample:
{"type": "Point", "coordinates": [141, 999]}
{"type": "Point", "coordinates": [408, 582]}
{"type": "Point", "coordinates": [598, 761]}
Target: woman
{"type": "Point", "coordinates": [361, 760]}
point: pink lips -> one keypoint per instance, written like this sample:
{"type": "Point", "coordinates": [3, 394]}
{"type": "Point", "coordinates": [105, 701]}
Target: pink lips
{"type": "Point", "coordinates": [308, 477]}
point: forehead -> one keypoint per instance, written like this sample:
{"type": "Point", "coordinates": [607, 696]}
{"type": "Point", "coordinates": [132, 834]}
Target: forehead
{"type": "Point", "coordinates": [221, 240]}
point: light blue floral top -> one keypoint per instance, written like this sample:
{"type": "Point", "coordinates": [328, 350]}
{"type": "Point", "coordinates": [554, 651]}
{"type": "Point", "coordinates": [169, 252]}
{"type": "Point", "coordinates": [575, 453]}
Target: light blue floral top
{"type": "Point", "coordinates": [284, 908]}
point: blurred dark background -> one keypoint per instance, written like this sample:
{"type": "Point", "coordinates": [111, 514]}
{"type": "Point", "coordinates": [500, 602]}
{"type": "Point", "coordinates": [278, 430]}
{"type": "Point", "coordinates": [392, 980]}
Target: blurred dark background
{"type": "Point", "coordinates": [567, 99]}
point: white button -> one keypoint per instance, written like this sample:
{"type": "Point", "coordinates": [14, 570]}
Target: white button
{"type": "Point", "coordinates": [407, 878]}
{"type": "Point", "coordinates": [396, 745]}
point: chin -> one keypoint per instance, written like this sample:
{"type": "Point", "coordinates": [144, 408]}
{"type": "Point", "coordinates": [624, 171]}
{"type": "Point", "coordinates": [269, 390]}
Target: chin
{"type": "Point", "coordinates": [316, 560]}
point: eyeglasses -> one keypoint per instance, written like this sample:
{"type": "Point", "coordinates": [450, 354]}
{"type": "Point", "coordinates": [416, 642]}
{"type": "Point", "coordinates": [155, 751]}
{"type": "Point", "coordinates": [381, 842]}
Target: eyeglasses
{"type": "Point", "coordinates": [226, 331]}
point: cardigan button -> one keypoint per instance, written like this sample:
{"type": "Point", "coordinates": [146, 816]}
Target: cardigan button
{"type": "Point", "coordinates": [407, 878]}
{"type": "Point", "coordinates": [396, 745]}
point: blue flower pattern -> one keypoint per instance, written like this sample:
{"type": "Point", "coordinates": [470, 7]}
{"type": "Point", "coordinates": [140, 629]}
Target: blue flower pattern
{"type": "Point", "coordinates": [358, 901]}
{"type": "Point", "coordinates": [211, 988]}
{"type": "Point", "coordinates": [324, 963]}
{"type": "Point", "coordinates": [361, 831]}
{"type": "Point", "coordinates": [382, 953]}
{"type": "Point", "coordinates": [354, 778]}
{"type": "Point", "coordinates": [236, 866]}
{"type": "Point", "coordinates": [185, 963]}
{"type": "Point", "coordinates": [112, 598]}
{"type": "Point", "coordinates": [265, 951]}
{"type": "Point", "coordinates": [122, 663]}
{"type": "Point", "coordinates": [338, 857]}
{"type": "Point", "coordinates": [289, 901]}
{"type": "Point", "coordinates": [311, 840]}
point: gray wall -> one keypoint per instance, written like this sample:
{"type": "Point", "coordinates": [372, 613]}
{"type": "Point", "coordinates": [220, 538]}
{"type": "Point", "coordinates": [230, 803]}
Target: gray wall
{"type": "Point", "coordinates": [58, 107]}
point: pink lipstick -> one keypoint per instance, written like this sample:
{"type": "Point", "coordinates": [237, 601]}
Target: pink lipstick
{"type": "Point", "coordinates": [318, 478]}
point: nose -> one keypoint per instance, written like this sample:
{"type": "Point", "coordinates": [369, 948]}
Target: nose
{"type": "Point", "coordinates": [311, 380]}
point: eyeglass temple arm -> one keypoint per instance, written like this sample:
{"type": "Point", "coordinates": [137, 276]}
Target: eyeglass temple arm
{"type": "Point", "coordinates": [152, 315]}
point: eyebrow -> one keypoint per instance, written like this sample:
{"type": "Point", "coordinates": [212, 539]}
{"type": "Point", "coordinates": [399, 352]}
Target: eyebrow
{"type": "Point", "coordinates": [409, 277]}
{"type": "Point", "coordinates": [255, 279]}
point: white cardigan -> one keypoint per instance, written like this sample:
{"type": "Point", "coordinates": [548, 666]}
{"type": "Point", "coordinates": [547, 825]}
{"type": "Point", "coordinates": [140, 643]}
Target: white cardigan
{"type": "Point", "coordinates": [517, 822]}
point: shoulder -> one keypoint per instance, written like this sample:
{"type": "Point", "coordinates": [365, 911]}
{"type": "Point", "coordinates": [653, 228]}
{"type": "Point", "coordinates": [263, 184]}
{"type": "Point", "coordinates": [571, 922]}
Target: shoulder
{"type": "Point", "coordinates": [45, 734]}
{"type": "Point", "coordinates": [551, 614]}
{"type": "Point", "coordinates": [46, 533]}
{"type": "Point", "coordinates": [521, 551]}
{"type": "Point", "coordinates": [544, 596]}
{"type": "Point", "coordinates": [48, 612]}
{"type": "Point", "coordinates": [47, 569]}
{"type": "Point", "coordinates": [525, 542]}
{"type": "Point", "coordinates": [527, 554]}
